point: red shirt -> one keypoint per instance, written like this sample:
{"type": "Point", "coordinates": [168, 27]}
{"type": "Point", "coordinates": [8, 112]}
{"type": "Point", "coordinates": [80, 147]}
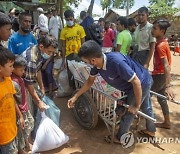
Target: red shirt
{"type": "Point", "coordinates": [162, 50]}
{"type": "Point", "coordinates": [108, 38]}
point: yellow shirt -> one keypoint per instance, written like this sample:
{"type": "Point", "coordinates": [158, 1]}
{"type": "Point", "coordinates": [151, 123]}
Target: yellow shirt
{"type": "Point", "coordinates": [8, 129]}
{"type": "Point", "coordinates": [72, 36]}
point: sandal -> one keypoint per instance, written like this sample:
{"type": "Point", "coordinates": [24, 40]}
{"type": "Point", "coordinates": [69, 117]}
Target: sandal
{"type": "Point", "coordinates": [146, 133]}
{"type": "Point", "coordinates": [163, 125]}
{"type": "Point", "coordinates": [108, 139]}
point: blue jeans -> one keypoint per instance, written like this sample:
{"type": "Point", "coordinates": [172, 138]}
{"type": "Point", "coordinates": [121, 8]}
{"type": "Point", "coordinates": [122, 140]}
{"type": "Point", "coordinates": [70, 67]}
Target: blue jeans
{"type": "Point", "coordinates": [146, 107]}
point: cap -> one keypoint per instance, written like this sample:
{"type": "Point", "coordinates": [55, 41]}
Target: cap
{"type": "Point", "coordinates": [40, 9]}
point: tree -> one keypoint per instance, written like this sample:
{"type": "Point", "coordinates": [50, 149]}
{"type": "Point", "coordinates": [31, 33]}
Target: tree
{"type": "Point", "coordinates": [168, 2]}
{"type": "Point", "coordinates": [90, 8]}
{"type": "Point", "coordinates": [162, 9]}
{"type": "Point", "coordinates": [119, 4]}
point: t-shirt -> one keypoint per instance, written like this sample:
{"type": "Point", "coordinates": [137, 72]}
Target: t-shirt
{"type": "Point", "coordinates": [124, 70]}
{"type": "Point", "coordinates": [124, 39]}
{"type": "Point", "coordinates": [21, 95]}
{"type": "Point", "coordinates": [162, 50]}
{"type": "Point", "coordinates": [43, 21]}
{"type": "Point", "coordinates": [8, 129]}
{"type": "Point", "coordinates": [108, 38]}
{"type": "Point", "coordinates": [143, 37]}
{"type": "Point", "coordinates": [19, 43]}
{"type": "Point", "coordinates": [72, 36]}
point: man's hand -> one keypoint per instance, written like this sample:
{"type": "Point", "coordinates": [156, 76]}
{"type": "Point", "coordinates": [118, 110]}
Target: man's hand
{"type": "Point", "coordinates": [41, 105]}
{"type": "Point", "coordinates": [146, 66]}
{"type": "Point", "coordinates": [71, 102]}
{"type": "Point", "coordinates": [63, 66]}
{"type": "Point", "coordinates": [170, 93]}
{"type": "Point", "coordinates": [21, 121]}
{"type": "Point", "coordinates": [133, 110]}
{"type": "Point", "coordinates": [43, 90]}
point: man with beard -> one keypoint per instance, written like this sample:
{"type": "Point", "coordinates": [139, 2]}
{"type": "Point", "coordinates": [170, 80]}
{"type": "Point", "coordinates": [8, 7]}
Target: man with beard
{"type": "Point", "coordinates": [23, 38]}
{"type": "Point", "coordinates": [144, 39]}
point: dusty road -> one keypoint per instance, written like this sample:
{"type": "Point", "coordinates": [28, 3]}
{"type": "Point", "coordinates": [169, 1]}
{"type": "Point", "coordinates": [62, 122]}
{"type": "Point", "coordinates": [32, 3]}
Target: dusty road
{"type": "Point", "coordinates": [92, 141]}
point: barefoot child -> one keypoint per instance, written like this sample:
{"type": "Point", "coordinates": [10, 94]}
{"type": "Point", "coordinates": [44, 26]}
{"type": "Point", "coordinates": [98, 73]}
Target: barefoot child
{"type": "Point", "coordinates": [162, 68]}
{"type": "Point", "coordinates": [8, 107]}
{"type": "Point", "coordinates": [22, 101]}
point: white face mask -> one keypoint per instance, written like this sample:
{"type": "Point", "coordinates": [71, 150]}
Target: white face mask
{"type": "Point", "coordinates": [70, 23]}
{"type": "Point", "coordinates": [45, 56]}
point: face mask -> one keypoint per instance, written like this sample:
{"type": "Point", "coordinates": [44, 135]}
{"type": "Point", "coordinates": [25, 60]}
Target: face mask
{"type": "Point", "coordinates": [45, 56]}
{"type": "Point", "coordinates": [25, 30]}
{"type": "Point", "coordinates": [70, 23]}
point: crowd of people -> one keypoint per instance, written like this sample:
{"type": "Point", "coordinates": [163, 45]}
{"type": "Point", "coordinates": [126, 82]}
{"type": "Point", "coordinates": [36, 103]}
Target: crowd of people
{"type": "Point", "coordinates": [26, 63]}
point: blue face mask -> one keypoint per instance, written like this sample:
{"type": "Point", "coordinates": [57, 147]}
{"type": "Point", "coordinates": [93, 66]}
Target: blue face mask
{"type": "Point", "coordinates": [70, 23]}
{"type": "Point", "coordinates": [45, 56]}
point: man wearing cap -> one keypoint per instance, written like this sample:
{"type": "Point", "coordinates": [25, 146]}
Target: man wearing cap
{"type": "Point", "coordinates": [43, 19]}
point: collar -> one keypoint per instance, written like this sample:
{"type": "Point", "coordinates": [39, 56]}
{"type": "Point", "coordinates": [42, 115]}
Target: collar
{"type": "Point", "coordinates": [105, 61]}
{"type": "Point", "coordinates": [144, 26]}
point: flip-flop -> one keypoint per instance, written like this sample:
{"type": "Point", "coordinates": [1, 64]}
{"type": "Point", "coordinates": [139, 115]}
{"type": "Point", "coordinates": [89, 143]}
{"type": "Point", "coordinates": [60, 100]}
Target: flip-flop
{"type": "Point", "coordinates": [160, 125]}
{"type": "Point", "coordinates": [108, 139]}
{"type": "Point", "coordinates": [142, 132]}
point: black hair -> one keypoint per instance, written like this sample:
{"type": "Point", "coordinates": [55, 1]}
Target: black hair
{"type": "Point", "coordinates": [90, 49]}
{"type": "Point", "coordinates": [83, 14]}
{"type": "Point", "coordinates": [68, 13]}
{"type": "Point", "coordinates": [48, 40]}
{"type": "Point", "coordinates": [17, 12]}
{"type": "Point", "coordinates": [5, 56]}
{"type": "Point", "coordinates": [4, 19]}
{"type": "Point", "coordinates": [143, 9]}
{"type": "Point", "coordinates": [1, 10]}
{"type": "Point", "coordinates": [162, 24]}
{"type": "Point", "coordinates": [19, 61]}
{"type": "Point", "coordinates": [131, 22]}
{"type": "Point", "coordinates": [123, 21]}
{"type": "Point", "coordinates": [23, 14]}
{"type": "Point", "coordinates": [101, 19]}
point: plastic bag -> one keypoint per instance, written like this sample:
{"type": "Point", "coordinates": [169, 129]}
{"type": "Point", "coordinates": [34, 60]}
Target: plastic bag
{"type": "Point", "coordinates": [49, 136]}
{"type": "Point", "coordinates": [53, 113]}
{"type": "Point", "coordinates": [63, 81]}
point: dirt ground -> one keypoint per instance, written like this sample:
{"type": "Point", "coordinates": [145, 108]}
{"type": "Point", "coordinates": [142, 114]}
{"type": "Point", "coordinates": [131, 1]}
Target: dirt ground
{"type": "Point", "coordinates": [92, 141]}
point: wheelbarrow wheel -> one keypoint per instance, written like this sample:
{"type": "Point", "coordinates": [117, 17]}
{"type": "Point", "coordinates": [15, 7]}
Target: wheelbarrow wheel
{"type": "Point", "coordinates": [85, 111]}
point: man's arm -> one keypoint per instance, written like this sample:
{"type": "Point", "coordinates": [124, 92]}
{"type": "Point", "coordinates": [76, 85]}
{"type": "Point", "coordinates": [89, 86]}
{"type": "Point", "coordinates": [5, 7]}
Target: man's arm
{"type": "Point", "coordinates": [118, 48]}
{"type": "Point", "coordinates": [87, 85]}
{"type": "Point", "coordinates": [63, 52]}
{"type": "Point", "coordinates": [40, 82]}
{"type": "Point", "coordinates": [82, 40]}
{"type": "Point", "coordinates": [167, 70]}
{"type": "Point", "coordinates": [151, 51]}
{"type": "Point", "coordinates": [20, 116]}
{"type": "Point", "coordinates": [137, 93]}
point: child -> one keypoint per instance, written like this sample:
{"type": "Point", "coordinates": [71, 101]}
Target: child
{"type": "Point", "coordinates": [8, 107]}
{"type": "Point", "coordinates": [177, 46]}
{"type": "Point", "coordinates": [5, 28]}
{"type": "Point", "coordinates": [162, 67]}
{"type": "Point", "coordinates": [22, 101]}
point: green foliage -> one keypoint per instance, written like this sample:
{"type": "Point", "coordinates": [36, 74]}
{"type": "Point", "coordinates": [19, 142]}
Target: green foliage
{"type": "Point", "coordinates": [168, 2]}
{"type": "Point", "coordinates": [162, 9]}
{"type": "Point", "coordinates": [119, 4]}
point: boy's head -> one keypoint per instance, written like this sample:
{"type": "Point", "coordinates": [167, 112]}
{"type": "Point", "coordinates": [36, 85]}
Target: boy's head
{"type": "Point", "coordinates": [131, 24]}
{"type": "Point", "coordinates": [122, 23]}
{"type": "Point", "coordinates": [19, 66]}
{"type": "Point", "coordinates": [107, 25]}
{"type": "Point", "coordinates": [143, 14]}
{"type": "Point", "coordinates": [47, 46]}
{"type": "Point", "coordinates": [6, 62]}
{"type": "Point", "coordinates": [43, 31]}
{"type": "Point", "coordinates": [101, 22]}
{"type": "Point", "coordinates": [5, 27]}
{"type": "Point", "coordinates": [69, 17]}
{"type": "Point", "coordinates": [91, 53]}
{"type": "Point", "coordinates": [160, 27]}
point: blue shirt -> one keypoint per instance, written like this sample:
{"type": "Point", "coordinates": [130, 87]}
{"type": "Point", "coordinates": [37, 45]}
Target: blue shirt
{"type": "Point", "coordinates": [119, 70]}
{"type": "Point", "coordinates": [19, 43]}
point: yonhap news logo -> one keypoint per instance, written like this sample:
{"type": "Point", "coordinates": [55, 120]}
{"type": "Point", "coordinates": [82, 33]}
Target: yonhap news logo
{"type": "Point", "coordinates": [128, 139]}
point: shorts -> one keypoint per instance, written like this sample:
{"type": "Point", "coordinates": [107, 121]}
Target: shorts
{"type": "Point", "coordinates": [23, 134]}
{"type": "Point", "coordinates": [9, 148]}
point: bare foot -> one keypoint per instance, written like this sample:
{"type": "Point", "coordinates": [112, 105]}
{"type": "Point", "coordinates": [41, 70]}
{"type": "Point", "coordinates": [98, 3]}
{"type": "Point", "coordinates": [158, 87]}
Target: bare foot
{"type": "Point", "coordinates": [146, 132]}
{"type": "Point", "coordinates": [163, 125]}
{"type": "Point", "coordinates": [22, 152]}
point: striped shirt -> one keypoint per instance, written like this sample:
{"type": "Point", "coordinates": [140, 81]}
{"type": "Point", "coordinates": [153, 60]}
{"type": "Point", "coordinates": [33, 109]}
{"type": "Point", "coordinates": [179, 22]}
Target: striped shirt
{"type": "Point", "coordinates": [34, 63]}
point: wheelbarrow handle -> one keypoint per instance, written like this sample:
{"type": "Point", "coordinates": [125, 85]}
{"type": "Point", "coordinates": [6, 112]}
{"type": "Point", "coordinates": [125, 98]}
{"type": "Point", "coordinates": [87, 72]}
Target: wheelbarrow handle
{"type": "Point", "coordinates": [142, 114]}
{"type": "Point", "coordinates": [158, 95]}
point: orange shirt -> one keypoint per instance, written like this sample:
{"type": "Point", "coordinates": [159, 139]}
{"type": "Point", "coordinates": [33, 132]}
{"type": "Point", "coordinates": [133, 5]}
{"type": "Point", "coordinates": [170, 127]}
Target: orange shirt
{"type": "Point", "coordinates": [8, 129]}
{"type": "Point", "coordinates": [162, 50]}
